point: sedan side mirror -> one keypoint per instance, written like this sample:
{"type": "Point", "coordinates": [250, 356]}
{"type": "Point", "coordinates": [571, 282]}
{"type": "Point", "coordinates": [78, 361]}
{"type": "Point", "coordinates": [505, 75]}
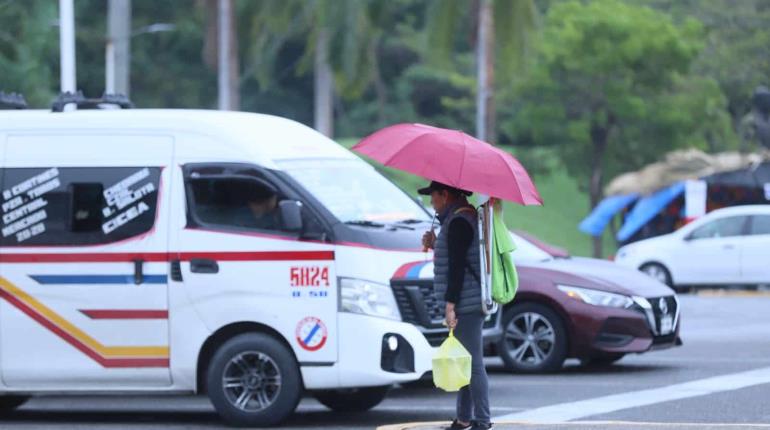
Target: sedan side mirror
{"type": "Point", "coordinates": [291, 215]}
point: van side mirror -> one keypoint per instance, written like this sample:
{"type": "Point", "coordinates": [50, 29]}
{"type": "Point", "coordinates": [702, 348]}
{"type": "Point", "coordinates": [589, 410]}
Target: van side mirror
{"type": "Point", "coordinates": [291, 215]}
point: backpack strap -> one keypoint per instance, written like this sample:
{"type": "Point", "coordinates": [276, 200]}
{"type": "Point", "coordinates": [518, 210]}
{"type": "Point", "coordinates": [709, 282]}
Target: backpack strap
{"type": "Point", "coordinates": [467, 264]}
{"type": "Point", "coordinates": [464, 209]}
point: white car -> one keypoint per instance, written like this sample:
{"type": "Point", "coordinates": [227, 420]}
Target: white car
{"type": "Point", "coordinates": [726, 246]}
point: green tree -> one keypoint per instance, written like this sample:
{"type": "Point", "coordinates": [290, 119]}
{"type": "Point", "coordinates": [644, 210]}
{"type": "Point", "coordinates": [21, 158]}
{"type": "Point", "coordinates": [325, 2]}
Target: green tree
{"type": "Point", "coordinates": [611, 87]}
{"type": "Point", "coordinates": [736, 49]}
{"type": "Point", "coordinates": [340, 40]}
{"type": "Point", "coordinates": [504, 29]}
{"type": "Point", "coordinates": [27, 37]}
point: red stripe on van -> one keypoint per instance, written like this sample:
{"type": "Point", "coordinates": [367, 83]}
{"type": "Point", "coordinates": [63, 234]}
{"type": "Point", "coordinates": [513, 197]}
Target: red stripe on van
{"type": "Point", "coordinates": [259, 255]}
{"type": "Point", "coordinates": [164, 256]}
{"type": "Point", "coordinates": [124, 314]}
{"type": "Point", "coordinates": [91, 257]}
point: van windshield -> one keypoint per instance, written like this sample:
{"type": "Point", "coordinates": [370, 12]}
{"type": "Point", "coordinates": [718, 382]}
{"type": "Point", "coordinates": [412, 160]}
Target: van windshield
{"type": "Point", "coordinates": [354, 191]}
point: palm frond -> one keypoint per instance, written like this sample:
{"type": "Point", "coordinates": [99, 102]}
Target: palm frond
{"type": "Point", "coordinates": [516, 23]}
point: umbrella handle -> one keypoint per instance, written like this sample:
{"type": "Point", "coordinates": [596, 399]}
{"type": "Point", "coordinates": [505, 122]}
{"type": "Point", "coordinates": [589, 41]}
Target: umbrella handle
{"type": "Point", "coordinates": [425, 249]}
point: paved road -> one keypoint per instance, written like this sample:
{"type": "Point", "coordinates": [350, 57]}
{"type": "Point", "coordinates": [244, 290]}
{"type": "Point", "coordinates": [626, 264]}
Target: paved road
{"type": "Point", "coordinates": [723, 336]}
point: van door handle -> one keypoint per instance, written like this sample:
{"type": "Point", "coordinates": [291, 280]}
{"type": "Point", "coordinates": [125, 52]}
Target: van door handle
{"type": "Point", "coordinates": [138, 271]}
{"type": "Point", "coordinates": [203, 265]}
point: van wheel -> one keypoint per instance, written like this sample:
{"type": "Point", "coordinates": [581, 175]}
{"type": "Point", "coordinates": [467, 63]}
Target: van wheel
{"type": "Point", "coordinates": [352, 400]}
{"type": "Point", "coordinates": [534, 339]}
{"type": "Point", "coordinates": [254, 380]}
{"type": "Point", "coordinates": [9, 403]}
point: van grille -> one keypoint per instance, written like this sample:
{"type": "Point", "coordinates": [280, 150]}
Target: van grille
{"type": "Point", "coordinates": [417, 303]}
{"type": "Point", "coordinates": [419, 306]}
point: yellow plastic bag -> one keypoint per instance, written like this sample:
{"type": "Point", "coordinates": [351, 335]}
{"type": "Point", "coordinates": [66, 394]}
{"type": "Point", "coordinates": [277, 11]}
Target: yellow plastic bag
{"type": "Point", "coordinates": [451, 365]}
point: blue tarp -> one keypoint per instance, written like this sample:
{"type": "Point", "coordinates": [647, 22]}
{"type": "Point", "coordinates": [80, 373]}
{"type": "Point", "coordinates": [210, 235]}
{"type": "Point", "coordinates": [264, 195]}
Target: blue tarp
{"type": "Point", "coordinates": [647, 208]}
{"type": "Point", "coordinates": [595, 222]}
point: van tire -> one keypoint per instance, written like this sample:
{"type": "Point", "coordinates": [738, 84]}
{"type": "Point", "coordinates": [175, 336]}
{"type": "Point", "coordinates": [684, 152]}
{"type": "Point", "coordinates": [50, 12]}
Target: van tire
{"type": "Point", "coordinates": [247, 360]}
{"type": "Point", "coordinates": [545, 318]}
{"type": "Point", "coordinates": [353, 399]}
{"type": "Point", "coordinates": [9, 403]}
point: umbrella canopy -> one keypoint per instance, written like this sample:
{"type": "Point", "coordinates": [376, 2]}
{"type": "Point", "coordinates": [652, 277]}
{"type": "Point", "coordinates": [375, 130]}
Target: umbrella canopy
{"type": "Point", "coordinates": [453, 158]}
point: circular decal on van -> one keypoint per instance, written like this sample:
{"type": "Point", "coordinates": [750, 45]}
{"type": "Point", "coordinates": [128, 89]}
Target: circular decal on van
{"type": "Point", "coordinates": [311, 334]}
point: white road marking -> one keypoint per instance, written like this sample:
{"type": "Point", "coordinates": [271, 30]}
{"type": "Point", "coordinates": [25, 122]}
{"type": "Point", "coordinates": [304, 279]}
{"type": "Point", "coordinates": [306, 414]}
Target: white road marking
{"type": "Point", "coordinates": [601, 405]}
{"type": "Point", "coordinates": [411, 408]}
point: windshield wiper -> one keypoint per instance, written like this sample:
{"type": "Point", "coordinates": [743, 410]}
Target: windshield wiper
{"type": "Point", "coordinates": [412, 221]}
{"type": "Point", "coordinates": [365, 223]}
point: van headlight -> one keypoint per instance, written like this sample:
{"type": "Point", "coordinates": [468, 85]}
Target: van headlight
{"type": "Point", "coordinates": [368, 298]}
{"type": "Point", "coordinates": [596, 297]}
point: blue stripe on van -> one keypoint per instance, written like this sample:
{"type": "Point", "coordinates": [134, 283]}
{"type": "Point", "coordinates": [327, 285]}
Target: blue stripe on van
{"type": "Point", "coordinates": [96, 279]}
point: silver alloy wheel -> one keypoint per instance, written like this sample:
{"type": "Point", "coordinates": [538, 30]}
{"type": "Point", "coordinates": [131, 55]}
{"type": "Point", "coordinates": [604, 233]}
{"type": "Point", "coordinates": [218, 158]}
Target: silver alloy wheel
{"type": "Point", "coordinates": [656, 272]}
{"type": "Point", "coordinates": [530, 338]}
{"type": "Point", "coordinates": [251, 381]}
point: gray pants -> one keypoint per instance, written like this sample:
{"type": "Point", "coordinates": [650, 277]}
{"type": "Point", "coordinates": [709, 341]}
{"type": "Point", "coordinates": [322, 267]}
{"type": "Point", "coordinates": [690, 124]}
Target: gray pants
{"type": "Point", "coordinates": [473, 399]}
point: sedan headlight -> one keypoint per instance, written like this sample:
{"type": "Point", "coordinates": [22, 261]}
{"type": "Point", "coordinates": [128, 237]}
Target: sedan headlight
{"type": "Point", "coordinates": [368, 298]}
{"type": "Point", "coordinates": [596, 297]}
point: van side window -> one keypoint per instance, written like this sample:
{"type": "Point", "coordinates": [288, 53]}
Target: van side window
{"type": "Point", "coordinates": [72, 206]}
{"type": "Point", "coordinates": [239, 201]}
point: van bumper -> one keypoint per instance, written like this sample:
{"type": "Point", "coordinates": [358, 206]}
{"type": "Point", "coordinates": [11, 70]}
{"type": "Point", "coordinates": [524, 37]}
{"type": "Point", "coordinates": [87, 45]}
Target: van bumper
{"type": "Point", "coordinates": [365, 357]}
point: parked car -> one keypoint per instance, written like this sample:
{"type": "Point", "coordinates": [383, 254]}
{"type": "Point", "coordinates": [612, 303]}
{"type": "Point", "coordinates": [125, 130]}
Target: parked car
{"type": "Point", "coordinates": [726, 246]}
{"type": "Point", "coordinates": [589, 309]}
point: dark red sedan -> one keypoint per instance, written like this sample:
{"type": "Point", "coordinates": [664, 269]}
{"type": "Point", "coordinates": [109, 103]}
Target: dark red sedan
{"type": "Point", "coordinates": [566, 307]}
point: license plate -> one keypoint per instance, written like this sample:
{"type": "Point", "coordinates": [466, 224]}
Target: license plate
{"type": "Point", "coordinates": [666, 324]}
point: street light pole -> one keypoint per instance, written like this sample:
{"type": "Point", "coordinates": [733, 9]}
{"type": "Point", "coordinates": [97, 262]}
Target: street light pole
{"type": "Point", "coordinates": [224, 54]}
{"type": "Point", "coordinates": [67, 45]}
{"type": "Point", "coordinates": [118, 50]}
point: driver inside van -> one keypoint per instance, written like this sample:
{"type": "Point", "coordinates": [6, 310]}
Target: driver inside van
{"type": "Point", "coordinates": [247, 203]}
{"type": "Point", "coordinates": [264, 212]}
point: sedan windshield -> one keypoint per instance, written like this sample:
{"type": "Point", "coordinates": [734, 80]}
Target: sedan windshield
{"type": "Point", "coordinates": [355, 192]}
{"type": "Point", "coordinates": [527, 251]}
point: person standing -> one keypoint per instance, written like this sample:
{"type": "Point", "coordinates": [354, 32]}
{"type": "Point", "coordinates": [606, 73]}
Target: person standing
{"type": "Point", "coordinates": [457, 265]}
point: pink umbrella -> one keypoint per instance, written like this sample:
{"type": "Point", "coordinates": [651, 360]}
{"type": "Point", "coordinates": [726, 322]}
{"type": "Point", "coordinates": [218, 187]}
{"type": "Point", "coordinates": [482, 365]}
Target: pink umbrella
{"type": "Point", "coordinates": [453, 158]}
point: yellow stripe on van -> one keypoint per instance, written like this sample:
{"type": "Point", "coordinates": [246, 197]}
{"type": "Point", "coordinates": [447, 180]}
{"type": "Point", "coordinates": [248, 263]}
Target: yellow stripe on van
{"type": "Point", "coordinates": [59, 321]}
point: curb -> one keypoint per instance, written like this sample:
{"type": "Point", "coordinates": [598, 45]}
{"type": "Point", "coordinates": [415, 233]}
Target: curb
{"type": "Point", "coordinates": [572, 424]}
{"type": "Point", "coordinates": [732, 293]}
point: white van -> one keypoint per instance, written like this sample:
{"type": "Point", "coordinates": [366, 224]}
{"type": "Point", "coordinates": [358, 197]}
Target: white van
{"type": "Point", "coordinates": [183, 251]}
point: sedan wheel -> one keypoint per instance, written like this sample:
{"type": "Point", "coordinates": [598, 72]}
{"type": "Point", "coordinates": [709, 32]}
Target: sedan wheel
{"type": "Point", "coordinates": [534, 339]}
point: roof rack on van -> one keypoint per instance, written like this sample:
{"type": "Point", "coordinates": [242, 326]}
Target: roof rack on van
{"type": "Point", "coordinates": [12, 101]}
{"type": "Point", "coordinates": [78, 99]}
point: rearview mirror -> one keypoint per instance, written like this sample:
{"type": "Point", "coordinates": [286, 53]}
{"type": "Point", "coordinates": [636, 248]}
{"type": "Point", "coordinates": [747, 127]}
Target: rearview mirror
{"type": "Point", "coordinates": [291, 215]}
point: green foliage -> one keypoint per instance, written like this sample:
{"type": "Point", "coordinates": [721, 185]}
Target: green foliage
{"type": "Point", "coordinates": [21, 68]}
{"type": "Point", "coordinates": [451, 24]}
{"type": "Point", "coordinates": [736, 45]}
{"type": "Point", "coordinates": [611, 87]}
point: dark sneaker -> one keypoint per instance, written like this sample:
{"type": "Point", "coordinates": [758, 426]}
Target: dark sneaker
{"type": "Point", "coordinates": [457, 426]}
{"type": "Point", "coordinates": [481, 426]}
